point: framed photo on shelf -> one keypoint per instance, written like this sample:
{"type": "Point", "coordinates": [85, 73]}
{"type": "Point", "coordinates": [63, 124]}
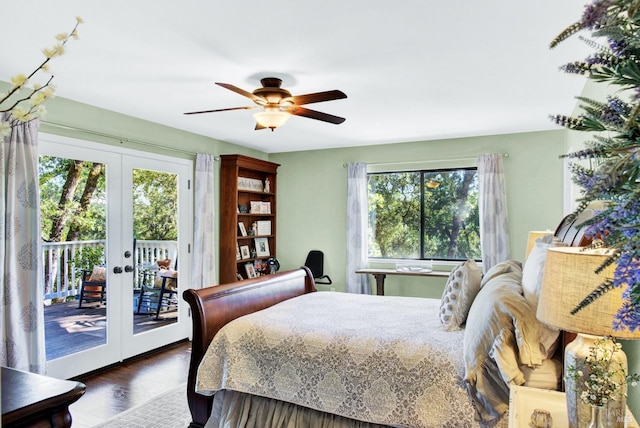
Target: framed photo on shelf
{"type": "Point", "coordinates": [263, 227]}
{"type": "Point", "coordinates": [243, 230]}
{"type": "Point", "coordinates": [256, 207]}
{"type": "Point", "coordinates": [262, 247]}
{"type": "Point", "coordinates": [250, 184]}
{"type": "Point", "coordinates": [238, 256]}
{"type": "Point", "coordinates": [251, 270]}
{"type": "Point", "coordinates": [260, 207]}
{"type": "Point", "coordinates": [244, 252]}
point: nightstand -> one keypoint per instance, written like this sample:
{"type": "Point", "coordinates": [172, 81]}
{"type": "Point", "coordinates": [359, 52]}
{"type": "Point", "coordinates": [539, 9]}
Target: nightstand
{"type": "Point", "coordinates": [523, 400]}
{"type": "Point", "coordinates": [30, 400]}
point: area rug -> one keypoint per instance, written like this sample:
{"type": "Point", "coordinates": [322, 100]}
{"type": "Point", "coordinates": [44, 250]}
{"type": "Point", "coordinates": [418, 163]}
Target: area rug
{"type": "Point", "coordinates": [168, 410]}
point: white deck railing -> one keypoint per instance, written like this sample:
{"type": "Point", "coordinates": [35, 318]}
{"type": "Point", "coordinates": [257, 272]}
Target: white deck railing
{"type": "Point", "coordinates": [62, 279]}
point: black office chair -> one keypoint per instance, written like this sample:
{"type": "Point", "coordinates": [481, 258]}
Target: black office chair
{"type": "Point", "coordinates": [315, 263]}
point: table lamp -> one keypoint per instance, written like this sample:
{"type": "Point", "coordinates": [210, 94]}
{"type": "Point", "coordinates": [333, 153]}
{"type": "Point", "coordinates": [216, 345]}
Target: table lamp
{"type": "Point", "coordinates": [569, 276]}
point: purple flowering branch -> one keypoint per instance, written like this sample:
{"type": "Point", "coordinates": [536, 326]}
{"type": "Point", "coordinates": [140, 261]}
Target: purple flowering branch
{"type": "Point", "coordinates": [613, 174]}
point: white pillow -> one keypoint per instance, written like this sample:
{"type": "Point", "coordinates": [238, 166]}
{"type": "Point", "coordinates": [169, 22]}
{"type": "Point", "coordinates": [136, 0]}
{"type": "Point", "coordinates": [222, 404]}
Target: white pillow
{"type": "Point", "coordinates": [462, 287]}
{"type": "Point", "coordinates": [531, 282]}
{"type": "Point", "coordinates": [548, 375]}
{"type": "Point", "coordinates": [499, 269]}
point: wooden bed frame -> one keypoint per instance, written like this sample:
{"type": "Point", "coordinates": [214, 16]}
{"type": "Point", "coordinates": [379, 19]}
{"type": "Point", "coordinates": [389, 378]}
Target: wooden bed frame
{"type": "Point", "coordinates": [213, 307]}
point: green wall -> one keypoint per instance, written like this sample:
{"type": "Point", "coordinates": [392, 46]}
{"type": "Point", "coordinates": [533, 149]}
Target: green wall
{"type": "Point", "coordinates": [312, 195]}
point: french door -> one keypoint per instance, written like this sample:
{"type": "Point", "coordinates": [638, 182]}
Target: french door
{"type": "Point", "coordinates": [145, 204]}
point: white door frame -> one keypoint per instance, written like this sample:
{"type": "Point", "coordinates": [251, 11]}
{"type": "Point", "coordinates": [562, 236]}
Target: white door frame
{"type": "Point", "coordinates": [121, 343]}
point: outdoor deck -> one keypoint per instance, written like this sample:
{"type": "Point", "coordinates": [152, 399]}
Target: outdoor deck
{"type": "Point", "coordinates": [69, 329]}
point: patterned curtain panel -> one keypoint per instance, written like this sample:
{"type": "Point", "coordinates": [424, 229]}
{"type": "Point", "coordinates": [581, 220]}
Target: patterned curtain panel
{"type": "Point", "coordinates": [203, 223]}
{"type": "Point", "coordinates": [357, 226]}
{"type": "Point", "coordinates": [21, 277]}
{"type": "Point", "coordinates": [492, 201]}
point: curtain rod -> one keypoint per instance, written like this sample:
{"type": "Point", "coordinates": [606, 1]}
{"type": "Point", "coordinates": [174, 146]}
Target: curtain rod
{"type": "Point", "coordinates": [115, 137]}
{"type": "Point", "coordinates": [504, 155]}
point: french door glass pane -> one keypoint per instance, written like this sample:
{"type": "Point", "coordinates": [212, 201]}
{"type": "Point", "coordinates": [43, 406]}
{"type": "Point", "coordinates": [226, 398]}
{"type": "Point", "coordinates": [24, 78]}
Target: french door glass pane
{"type": "Point", "coordinates": [73, 228]}
{"type": "Point", "coordinates": [155, 225]}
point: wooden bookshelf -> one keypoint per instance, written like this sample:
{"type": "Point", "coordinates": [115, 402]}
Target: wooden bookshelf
{"type": "Point", "coordinates": [242, 186]}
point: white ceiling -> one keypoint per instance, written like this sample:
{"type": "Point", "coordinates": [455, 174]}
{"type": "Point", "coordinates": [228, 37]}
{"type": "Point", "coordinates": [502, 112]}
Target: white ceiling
{"type": "Point", "coordinates": [413, 70]}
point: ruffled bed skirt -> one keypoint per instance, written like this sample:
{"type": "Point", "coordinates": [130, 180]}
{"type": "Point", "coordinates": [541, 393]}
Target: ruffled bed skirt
{"type": "Point", "coordinates": [237, 410]}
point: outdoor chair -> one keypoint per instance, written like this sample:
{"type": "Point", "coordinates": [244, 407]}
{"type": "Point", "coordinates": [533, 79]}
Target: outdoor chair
{"type": "Point", "coordinates": [93, 286]}
{"type": "Point", "coordinates": [159, 289]}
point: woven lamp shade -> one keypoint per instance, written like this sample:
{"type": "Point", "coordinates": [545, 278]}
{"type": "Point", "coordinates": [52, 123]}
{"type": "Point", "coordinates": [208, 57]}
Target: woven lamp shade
{"type": "Point", "coordinates": [569, 276]}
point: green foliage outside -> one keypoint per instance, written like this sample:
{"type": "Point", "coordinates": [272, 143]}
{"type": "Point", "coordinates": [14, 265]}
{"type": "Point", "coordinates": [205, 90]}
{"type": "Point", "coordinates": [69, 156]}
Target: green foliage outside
{"type": "Point", "coordinates": [155, 205]}
{"type": "Point", "coordinates": [88, 257]}
{"type": "Point", "coordinates": [155, 199]}
{"type": "Point", "coordinates": [450, 228]}
{"type": "Point", "coordinates": [53, 173]}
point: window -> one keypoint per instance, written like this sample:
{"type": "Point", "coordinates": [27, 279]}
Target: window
{"type": "Point", "coordinates": [428, 214]}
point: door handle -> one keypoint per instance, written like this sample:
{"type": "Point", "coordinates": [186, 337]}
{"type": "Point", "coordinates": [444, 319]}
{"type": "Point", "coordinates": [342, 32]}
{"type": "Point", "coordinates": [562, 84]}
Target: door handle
{"type": "Point", "coordinates": [128, 268]}
{"type": "Point", "coordinates": [117, 269]}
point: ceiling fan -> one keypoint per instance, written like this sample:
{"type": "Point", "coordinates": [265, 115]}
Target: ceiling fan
{"type": "Point", "coordinates": [279, 105]}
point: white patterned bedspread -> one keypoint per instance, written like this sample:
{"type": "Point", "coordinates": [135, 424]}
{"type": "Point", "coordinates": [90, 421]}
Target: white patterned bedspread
{"type": "Point", "coordinates": [380, 359]}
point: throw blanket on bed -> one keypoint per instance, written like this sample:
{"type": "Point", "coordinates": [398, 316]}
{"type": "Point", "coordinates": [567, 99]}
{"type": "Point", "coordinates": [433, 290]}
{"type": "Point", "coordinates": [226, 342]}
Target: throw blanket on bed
{"type": "Point", "coordinates": [379, 359]}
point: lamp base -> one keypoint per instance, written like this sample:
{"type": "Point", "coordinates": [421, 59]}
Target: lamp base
{"type": "Point", "coordinates": [579, 413]}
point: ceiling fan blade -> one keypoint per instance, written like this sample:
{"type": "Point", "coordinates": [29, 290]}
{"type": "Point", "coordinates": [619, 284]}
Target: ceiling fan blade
{"type": "Point", "coordinates": [313, 114]}
{"type": "Point", "coordinates": [318, 97]}
{"type": "Point", "coordinates": [259, 127]}
{"type": "Point", "coordinates": [256, 99]}
{"type": "Point", "coordinates": [223, 109]}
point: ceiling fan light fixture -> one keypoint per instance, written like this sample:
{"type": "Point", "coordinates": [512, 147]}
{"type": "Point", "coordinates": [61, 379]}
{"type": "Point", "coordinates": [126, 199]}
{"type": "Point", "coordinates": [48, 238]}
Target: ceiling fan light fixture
{"type": "Point", "coordinates": [285, 104]}
{"type": "Point", "coordinates": [271, 119]}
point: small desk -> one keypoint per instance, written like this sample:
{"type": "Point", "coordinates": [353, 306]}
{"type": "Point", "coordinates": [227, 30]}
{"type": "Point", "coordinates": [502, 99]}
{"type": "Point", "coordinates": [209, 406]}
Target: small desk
{"type": "Point", "coordinates": [381, 274]}
{"type": "Point", "coordinates": [30, 399]}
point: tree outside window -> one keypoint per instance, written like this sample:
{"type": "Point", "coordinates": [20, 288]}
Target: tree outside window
{"type": "Point", "coordinates": [428, 214]}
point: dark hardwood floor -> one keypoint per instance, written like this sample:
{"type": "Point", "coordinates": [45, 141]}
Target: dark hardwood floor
{"type": "Point", "coordinates": [130, 383]}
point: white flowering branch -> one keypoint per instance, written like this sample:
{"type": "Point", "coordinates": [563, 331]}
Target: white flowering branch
{"type": "Point", "coordinates": [31, 105]}
{"type": "Point", "coordinates": [600, 377]}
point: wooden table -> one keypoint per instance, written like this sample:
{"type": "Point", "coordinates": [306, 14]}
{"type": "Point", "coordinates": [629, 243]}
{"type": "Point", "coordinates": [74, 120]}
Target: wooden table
{"type": "Point", "coordinates": [30, 399]}
{"type": "Point", "coordinates": [381, 274]}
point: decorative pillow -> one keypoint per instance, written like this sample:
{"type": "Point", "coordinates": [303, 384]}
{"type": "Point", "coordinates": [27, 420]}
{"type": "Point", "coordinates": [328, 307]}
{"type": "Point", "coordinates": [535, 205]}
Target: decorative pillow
{"type": "Point", "coordinates": [498, 306]}
{"type": "Point", "coordinates": [501, 333]}
{"type": "Point", "coordinates": [531, 282]}
{"type": "Point", "coordinates": [499, 269]}
{"type": "Point", "coordinates": [461, 288]}
{"type": "Point", "coordinates": [164, 264]}
{"type": "Point", "coordinates": [171, 276]}
{"type": "Point", "coordinates": [99, 274]}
